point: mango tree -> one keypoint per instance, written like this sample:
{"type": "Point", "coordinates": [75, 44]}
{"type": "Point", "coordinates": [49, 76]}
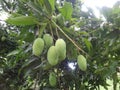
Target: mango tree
{"type": "Point", "coordinates": [54, 45]}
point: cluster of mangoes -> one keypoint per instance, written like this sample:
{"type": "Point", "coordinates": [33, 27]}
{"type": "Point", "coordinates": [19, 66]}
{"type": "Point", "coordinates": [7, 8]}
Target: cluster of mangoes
{"type": "Point", "coordinates": [81, 60]}
{"type": "Point", "coordinates": [55, 54]}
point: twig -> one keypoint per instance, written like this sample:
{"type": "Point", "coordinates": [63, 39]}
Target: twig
{"type": "Point", "coordinates": [57, 33]}
{"type": "Point", "coordinates": [70, 38]}
{"type": "Point", "coordinates": [35, 82]}
{"type": "Point", "coordinates": [51, 31]}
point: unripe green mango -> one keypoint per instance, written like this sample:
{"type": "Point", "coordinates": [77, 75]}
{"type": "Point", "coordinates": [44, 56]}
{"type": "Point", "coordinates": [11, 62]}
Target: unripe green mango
{"type": "Point", "coordinates": [52, 79]}
{"type": "Point", "coordinates": [52, 56]}
{"type": "Point", "coordinates": [48, 40]}
{"type": "Point", "coordinates": [61, 49]}
{"type": "Point", "coordinates": [3, 38]}
{"type": "Point", "coordinates": [38, 46]}
{"type": "Point", "coordinates": [60, 20]}
{"type": "Point", "coordinates": [82, 63]}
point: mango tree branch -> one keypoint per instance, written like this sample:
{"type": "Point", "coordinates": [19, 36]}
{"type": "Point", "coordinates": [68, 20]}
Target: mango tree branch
{"type": "Point", "coordinates": [69, 38]}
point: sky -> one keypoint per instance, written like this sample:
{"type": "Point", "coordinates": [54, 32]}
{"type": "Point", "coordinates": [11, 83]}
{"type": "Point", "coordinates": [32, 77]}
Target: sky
{"type": "Point", "coordinates": [3, 15]}
{"type": "Point", "coordinates": [94, 4]}
{"type": "Point", "coordinates": [100, 3]}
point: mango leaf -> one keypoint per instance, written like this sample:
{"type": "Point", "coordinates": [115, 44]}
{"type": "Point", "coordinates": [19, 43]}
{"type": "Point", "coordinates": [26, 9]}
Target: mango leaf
{"type": "Point", "coordinates": [22, 20]}
{"type": "Point", "coordinates": [71, 53]}
{"type": "Point", "coordinates": [52, 3]}
{"type": "Point", "coordinates": [14, 52]}
{"type": "Point", "coordinates": [88, 43]}
{"type": "Point", "coordinates": [36, 8]}
{"type": "Point", "coordinates": [42, 28]}
{"type": "Point", "coordinates": [29, 66]}
{"type": "Point", "coordinates": [41, 2]}
{"type": "Point", "coordinates": [116, 10]}
{"type": "Point", "coordinates": [67, 10]}
{"type": "Point", "coordinates": [48, 6]}
{"type": "Point", "coordinates": [117, 47]}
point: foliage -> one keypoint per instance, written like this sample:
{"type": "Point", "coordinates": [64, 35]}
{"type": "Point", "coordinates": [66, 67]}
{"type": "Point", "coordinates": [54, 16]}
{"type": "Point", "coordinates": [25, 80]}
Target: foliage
{"type": "Point", "coordinates": [83, 33]}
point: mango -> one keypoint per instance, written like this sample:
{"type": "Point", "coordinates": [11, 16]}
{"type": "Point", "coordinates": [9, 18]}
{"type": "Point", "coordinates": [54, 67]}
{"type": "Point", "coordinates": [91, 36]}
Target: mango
{"type": "Point", "coordinates": [3, 38]}
{"type": "Point", "coordinates": [52, 79]}
{"type": "Point", "coordinates": [38, 46]}
{"type": "Point", "coordinates": [82, 63]}
{"type": "Point", "coordinates": [61, 49]}
{"type": "Point", "coordinates": [60, 20]}
{"type": "Point", "coordinates": [48, 40]}
{"type": "Point", "coordinates": [52, 56]}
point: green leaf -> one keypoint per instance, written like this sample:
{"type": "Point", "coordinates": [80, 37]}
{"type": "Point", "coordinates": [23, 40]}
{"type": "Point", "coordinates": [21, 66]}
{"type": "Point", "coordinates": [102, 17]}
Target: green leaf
{"type": "Point", "coordinates": [88, 43]}
{"type": "Point", "coordinates": [22, 20]}
{"type": "Point", "coordinates": [117, 47]}
{"type": "Point", "coordinates": [52, 3]}
{"type": "Point", "coordinates": [29, 66]}
{"type": "Point", "coordinates": [67, 10]}
{"type": "Point", "coordinates": [48, 6]}
{"type": "Point", "coordinates": [116, 10]}
{"type": "Point", "coordinates": [36, 8]}
{"type": "Point", "coordinates": [41, 30]}
{"type": "Point", "coordinates": [14, 52]}
{"type": "Point", "coordinates": [41, 2]}
{"type": "Point", "coordinates": [71, 53]}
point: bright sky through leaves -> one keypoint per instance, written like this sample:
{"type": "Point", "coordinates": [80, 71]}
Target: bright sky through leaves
{"type": "Point", "coordinates": [94, 4]}
{"type": "Point", "coordinates": [72, 65]}
{"type": "Point", "coordinates": [100, 3]}
{"type": "Point", "coordinates": [3, 15]}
